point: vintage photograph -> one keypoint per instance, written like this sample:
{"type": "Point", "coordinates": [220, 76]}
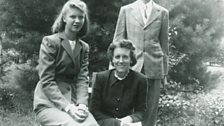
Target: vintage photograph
{"type": "Point", "coordinates": [111, 63]}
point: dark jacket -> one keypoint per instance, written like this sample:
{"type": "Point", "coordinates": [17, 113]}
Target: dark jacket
{"type": "Point", "coordinates": [113, 98]}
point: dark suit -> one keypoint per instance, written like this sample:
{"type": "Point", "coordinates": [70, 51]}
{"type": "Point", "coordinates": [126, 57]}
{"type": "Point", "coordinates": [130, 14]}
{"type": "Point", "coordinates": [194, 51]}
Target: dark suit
{"type": "Point", "coordinates": [151, 42]}
{"type": "Point", "coordinates": [113, 98]}
{"type": "Point", "coordinates": [63, 79]}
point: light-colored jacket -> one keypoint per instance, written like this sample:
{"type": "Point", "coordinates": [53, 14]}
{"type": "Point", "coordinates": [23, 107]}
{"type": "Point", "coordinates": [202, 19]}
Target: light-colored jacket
{"type": "Point", "coordinates": [150, 38]}
{"type": "Point", "coordinates": [63, 73]}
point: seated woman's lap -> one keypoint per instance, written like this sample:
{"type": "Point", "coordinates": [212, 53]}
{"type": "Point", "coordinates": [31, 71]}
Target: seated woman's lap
{"type": "Point", "coordinates": [56, 117]}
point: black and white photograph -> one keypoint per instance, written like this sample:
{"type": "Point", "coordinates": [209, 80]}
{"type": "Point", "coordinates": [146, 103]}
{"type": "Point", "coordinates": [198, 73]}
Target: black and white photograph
{"type": "Point", "coordinates": [111, 62]}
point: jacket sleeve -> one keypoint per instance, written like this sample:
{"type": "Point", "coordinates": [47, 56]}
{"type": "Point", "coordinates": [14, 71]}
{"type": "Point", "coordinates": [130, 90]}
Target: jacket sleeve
{"type": "Point", "coordinates": [47, 55]}
{"type": "Point", "coordinates": [120, 31]}
{"type": "Point", "coordinates": [96, 101]}
{"type": "Point", "coordinates": [140, 104]}
{"type": "Point", "coordinates": [164, 40]}
{"type": "Point", "coordinates": [83, 79]}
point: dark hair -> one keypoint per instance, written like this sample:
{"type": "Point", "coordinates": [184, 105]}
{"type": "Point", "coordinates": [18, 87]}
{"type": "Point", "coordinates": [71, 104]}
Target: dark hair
{"type": "Point", "coordinates": [127, 44]}
{"type": "Point", "coordinates": [59, 24]}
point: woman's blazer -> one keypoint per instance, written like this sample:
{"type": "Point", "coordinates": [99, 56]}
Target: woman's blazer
{"type": "Point", "coordinates": [63, 73]}
{"type": "Point", "coordinates": [150, 39]}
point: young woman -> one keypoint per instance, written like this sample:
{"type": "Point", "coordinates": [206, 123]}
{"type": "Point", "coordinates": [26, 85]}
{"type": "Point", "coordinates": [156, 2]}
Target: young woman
{"type": "Point", "coordinates": [61, 97]}
{"type": "Point", "coordinates": [119, 95]}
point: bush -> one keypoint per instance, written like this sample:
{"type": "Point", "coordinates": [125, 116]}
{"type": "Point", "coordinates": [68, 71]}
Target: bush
{"type": "Point", "coordinates": [25, 76]}
{"type": "Point", "coordinates": [6, 97]}
{"type": "Point", "coordinates": [189, 108]}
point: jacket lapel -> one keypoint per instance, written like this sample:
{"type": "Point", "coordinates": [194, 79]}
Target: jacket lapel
{"type": "Point", "coordinates": [77, 49]}
{"type": "Point", "coordinates": [136, 13]}
{"type": "Point", "coordinates": [65, 44]}
{"type": "Point", "coordinates": [67, 47]}
{"type": "Point", "coordinates": [154, 14]}
{"type": "Point", "coordinates": [111, 77]}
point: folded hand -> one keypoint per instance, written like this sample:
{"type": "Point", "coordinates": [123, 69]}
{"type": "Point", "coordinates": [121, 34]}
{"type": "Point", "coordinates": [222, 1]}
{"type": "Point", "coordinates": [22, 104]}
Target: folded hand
{"type": "Point", "coordinates": [126, 119]}
{"type": "Point", "coordinates": [78, 113]}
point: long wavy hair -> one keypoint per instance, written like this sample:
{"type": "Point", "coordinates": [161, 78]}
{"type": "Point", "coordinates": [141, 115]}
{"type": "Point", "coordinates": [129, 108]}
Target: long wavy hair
{"type": "Point", "coordinates": [59, 24]}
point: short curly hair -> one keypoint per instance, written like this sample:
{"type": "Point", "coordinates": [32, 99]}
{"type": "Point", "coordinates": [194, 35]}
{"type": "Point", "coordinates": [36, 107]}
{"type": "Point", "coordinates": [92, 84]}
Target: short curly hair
{"type": "Point", "coordinates": [124, 43]}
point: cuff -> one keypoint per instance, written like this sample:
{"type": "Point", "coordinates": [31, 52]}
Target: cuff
{"type": "Point", "coordinates": [68, 107]}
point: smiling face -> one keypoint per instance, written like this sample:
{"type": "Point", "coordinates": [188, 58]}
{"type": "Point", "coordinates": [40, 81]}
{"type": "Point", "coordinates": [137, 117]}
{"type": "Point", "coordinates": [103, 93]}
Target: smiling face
{"type": "Point", "coordinates": [121, 60]}
{"type": "Point", "coordinates": [74, 20]}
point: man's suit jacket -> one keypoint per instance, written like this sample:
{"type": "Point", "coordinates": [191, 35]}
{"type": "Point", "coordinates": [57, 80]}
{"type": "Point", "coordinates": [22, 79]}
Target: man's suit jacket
{"type": "Point", "coordinates": [150, 39]}
{"type": "Point", "coordinates": [63, 73]}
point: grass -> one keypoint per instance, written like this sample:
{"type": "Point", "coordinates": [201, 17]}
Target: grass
{"type": "Point", "coordinates": [9, 118]}
{"type": "Point", "coordinates": [16, 108]}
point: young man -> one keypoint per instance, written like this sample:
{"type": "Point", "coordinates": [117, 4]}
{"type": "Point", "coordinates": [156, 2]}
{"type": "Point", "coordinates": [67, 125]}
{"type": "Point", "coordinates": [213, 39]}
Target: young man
{"type": "Point", "coordinates": [145, 23]}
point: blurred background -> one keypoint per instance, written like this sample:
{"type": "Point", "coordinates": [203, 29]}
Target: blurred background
{"type": "Point", "coordinates": [194, 94]}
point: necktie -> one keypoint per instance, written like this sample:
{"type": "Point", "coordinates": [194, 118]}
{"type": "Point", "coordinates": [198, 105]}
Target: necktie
{"type": "Point", "coordinates": [145, 12]}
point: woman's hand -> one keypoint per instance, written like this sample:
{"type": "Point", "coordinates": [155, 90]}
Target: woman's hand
{"type": "Point", "coordinates": [126, 119]}
{"type": "Point", "coordinates": [83, 107]}
{"type": "Point", "coordinates": [83, 110]}
{"type": "Point", "coordinates": [125, 124]}
{"type": "Point", "coordinates": [79, 113]}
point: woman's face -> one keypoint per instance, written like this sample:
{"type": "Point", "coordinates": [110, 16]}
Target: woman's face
{"type": "Point", "coordinates": [121, 59]}
{"type": "Point", "coordinates": [74, 20]}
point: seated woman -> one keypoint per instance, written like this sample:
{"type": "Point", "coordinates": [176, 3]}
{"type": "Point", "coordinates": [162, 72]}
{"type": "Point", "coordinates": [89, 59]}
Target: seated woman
{"type": "Point", "coordinates": [61, 97]}
{"type": "Point", "coordinates": [119, 95]}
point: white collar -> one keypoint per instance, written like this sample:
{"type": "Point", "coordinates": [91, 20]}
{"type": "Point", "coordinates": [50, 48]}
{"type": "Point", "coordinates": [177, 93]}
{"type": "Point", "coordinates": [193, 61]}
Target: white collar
{"type": "Point", "coordinates": [149, 4]}
{"type": "Point", "coordinates": [142, 4]}
{"type": "Point", "coordinates": [72, 41]}
{"type": "Point", "coordinates": [120, 78]}
{"type": "Point", "coordinates": [72, 44]}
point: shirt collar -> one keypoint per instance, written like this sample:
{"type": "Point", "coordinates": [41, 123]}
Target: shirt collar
{"type": "Point", "coordinates": [113, 79]}
{"type": "Point", "coordinates": [149, 4]}
{"type": "Point", "coordinates": [74, 41]}
{"type": "Point", "coordinates": [141, 4]}
{"type": "Point", "coordinates": [119, 78]}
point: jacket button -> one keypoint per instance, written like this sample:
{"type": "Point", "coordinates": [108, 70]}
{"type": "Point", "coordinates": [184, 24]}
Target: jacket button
{"type": "Point", "coordinates": [118, 99]}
